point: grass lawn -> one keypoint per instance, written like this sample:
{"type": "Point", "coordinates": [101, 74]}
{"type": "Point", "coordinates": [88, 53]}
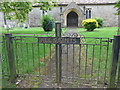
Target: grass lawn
{"type": "Point", "coordinates": [29, 55]}
{"type": "Point", "coordinates": [99, 56]}
{"type": "Point", "coordinates": [32, 30]}
{"type": "Point", "coordinates": [26, 48]}
{"type": "Point", "coordinates": [100, 32]}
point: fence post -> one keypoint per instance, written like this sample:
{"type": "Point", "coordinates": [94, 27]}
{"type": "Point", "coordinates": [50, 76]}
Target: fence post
{"type": "Point", "coordinates": [118, 80]}
{"type": "Point", "coordinates": [10, 54]}
{"type": "Point", "coordinates": [58, 54]}
{"type": "Point", "coordinates": [116, 50]}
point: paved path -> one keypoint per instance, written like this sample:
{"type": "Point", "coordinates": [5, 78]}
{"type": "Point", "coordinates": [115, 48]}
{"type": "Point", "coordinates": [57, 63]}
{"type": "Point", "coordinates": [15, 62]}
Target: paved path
{"type": "Point", "coordinates": [70, 66]}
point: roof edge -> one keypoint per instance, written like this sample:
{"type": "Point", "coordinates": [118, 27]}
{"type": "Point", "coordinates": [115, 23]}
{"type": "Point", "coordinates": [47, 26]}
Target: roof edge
{"type": "Point", "coordinates": [89, 4]}
{"type": "Point", "coordinates": [65, 4]}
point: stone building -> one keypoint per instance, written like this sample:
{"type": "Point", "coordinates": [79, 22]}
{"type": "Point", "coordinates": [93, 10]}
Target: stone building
{"type": "Point", "coordinates": [72, 12]}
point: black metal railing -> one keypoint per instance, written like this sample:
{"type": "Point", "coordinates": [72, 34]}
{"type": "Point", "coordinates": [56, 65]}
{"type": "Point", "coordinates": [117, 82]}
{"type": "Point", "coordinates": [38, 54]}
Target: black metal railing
{"type": "Point", "coordinates": [88, 61]}
{"type": "Point", "coordinates": [94, 62]}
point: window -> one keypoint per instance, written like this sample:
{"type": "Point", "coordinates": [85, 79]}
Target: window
{"type": "Point", "coordinates": [88, 13]}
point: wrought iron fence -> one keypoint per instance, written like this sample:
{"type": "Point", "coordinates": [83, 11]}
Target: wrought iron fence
{"type": "Point", "coordinates": [30, 57]}
{"type": "Point", "coordinates": [87, 64]}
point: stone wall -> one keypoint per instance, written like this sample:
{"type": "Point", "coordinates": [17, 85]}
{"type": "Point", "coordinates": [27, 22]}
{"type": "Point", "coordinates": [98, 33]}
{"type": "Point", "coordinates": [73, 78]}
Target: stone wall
{"type": "Point", "coordinates": [55, 12]}
{"type": "Point", "coordinates": [104, 11]}
{"type": "Point", "coordinates": [35, 17]}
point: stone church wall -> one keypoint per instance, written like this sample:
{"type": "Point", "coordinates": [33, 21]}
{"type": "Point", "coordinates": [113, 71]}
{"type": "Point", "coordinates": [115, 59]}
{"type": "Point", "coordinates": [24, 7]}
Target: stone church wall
{"type": "Point", "coordinates": [35, 17]}
{"type": "Point", "coordinates": [104, 11]}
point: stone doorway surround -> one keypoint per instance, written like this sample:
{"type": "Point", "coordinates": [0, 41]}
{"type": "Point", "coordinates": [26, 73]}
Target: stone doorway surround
{"type": "Point", "coordinates": [72, 7]}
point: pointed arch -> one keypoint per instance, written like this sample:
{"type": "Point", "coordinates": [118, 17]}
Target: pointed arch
{"type": "Point", "coordinates": [72, 7]}
{"type": "Point", "coordinates": [72, 19]}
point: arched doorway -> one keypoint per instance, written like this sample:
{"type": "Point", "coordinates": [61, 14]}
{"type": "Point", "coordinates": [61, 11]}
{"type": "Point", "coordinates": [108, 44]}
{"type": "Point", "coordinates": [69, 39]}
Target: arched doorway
{"type": "Point", "coordinates": [72, 19]}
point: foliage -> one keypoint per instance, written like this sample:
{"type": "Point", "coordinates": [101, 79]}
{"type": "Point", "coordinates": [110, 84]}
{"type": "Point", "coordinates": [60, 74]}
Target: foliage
{"type": "Point", "coordinates": [19, 10]}
{"type": "Point", "coordinates": [47, 23]}
{"type": "Point", "coordinates": [117, 5]}
{"type": "Point", "coordinates": [46, 5]}
{"type": "Point", "coordinates": [16, 10]}
{"type": "Point", "coordinates": [90, 24]}
{"type": "Point", "coordinates": [100, 21]}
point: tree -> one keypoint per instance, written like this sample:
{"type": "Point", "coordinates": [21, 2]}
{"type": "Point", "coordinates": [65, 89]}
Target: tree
{"type": "Point", "coordinates": [19, 10]}
{"type": "Point", "coordinates": [118, 13]}
{"type": "Point", "coordinates": [44, 6]}
{"type": "Point", "coordinates": [16, 10]}
{"type": "Point", "coordinates": [117, 5]}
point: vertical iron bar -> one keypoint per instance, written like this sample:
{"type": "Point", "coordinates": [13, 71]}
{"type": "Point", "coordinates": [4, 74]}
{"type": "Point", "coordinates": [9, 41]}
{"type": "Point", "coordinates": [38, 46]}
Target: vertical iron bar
{"type": "Point", "coordinates": [50, 61]}
{"type": "Point", "coordinates": [58, 54]}
{"type": "Point", "coordinates": [6, 55]}
{"type": "Point", "coordinates": [107, 54]}
{"type": "Point", "coordinates": [118, 79]}
{"type": "Point", "coordinates": [16, 49]}
{"type": "Point", "coordinates": [86, 60]}
{"type": "Point", "coordinates": [99, 59]}
{"type": "Point", "coordinates": [44, 51]}
{"type": "Point", "coordinates": [58, 63]}
{"type": "Point", "coordinates": [79, 57]}
{"type": "Point", "coordinates": [44, 59]}
{"type": "Point", "coordinates": [93, 52]}
{"type": "Point", "coordinates": [73, 60]}
{"type": "Point", "coordinates": [9, 45]}
{"type": "Point", "coordinates": [67, 61]}
{"type": "Point", "coordinates": [22, 55]}
{"type": "Point", "coordinates": [116, 51]}
{"type": "Point", "coordinates": [38, 57]}
{"type": "Point", "coordinates": [33, 55]}
{"type": "Point", "coordinates": [27, 56]}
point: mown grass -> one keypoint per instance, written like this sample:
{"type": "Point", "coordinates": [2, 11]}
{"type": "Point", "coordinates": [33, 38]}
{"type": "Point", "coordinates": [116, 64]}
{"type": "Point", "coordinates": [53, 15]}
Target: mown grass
{"type": "Point", "coordinates": [26, 48]}
{"type": "Point", "coordinates": [27, 57]}
{"type": "Point", "coordinates": [32, 30]}
{"type": "Point", "coordinates": [30, 56]}
{"type": "Point", "coordinates": [100, 56]}
{"type": "Point", "coordinates": [100, 32]}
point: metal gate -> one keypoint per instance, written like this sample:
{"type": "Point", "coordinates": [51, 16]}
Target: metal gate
{"type": "Point", "coordinates": [82, 62]}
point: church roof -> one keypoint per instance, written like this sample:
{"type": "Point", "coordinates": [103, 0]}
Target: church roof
{"type": "Point", "coordinates": [87, 1]}
{"type": "Point", "coordinates": [84, 2]}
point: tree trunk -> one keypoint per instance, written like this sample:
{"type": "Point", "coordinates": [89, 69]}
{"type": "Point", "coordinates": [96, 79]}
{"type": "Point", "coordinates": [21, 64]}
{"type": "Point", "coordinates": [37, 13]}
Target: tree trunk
{"type": "Point", "coordinates": [5, 22]}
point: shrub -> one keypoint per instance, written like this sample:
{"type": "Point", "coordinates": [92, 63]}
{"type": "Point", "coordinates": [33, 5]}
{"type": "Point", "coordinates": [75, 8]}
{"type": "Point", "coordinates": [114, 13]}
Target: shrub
{"type": "Point", "coordinates": [90, 24]}
{"type": "Point", "coordinates": [100, 22]}
{"type": "Point", "coordinates": [47, 23]}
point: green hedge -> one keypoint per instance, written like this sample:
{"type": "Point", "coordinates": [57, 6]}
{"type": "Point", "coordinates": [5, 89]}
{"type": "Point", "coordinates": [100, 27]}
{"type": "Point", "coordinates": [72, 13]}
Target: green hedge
{"type": "Point", "coordinates": [47, 23]}
{"type": "Point", "coordinates": [100, 21]}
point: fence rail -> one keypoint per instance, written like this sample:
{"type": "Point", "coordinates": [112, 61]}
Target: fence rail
{"type": "Point", "coordinates": [91, 63]}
